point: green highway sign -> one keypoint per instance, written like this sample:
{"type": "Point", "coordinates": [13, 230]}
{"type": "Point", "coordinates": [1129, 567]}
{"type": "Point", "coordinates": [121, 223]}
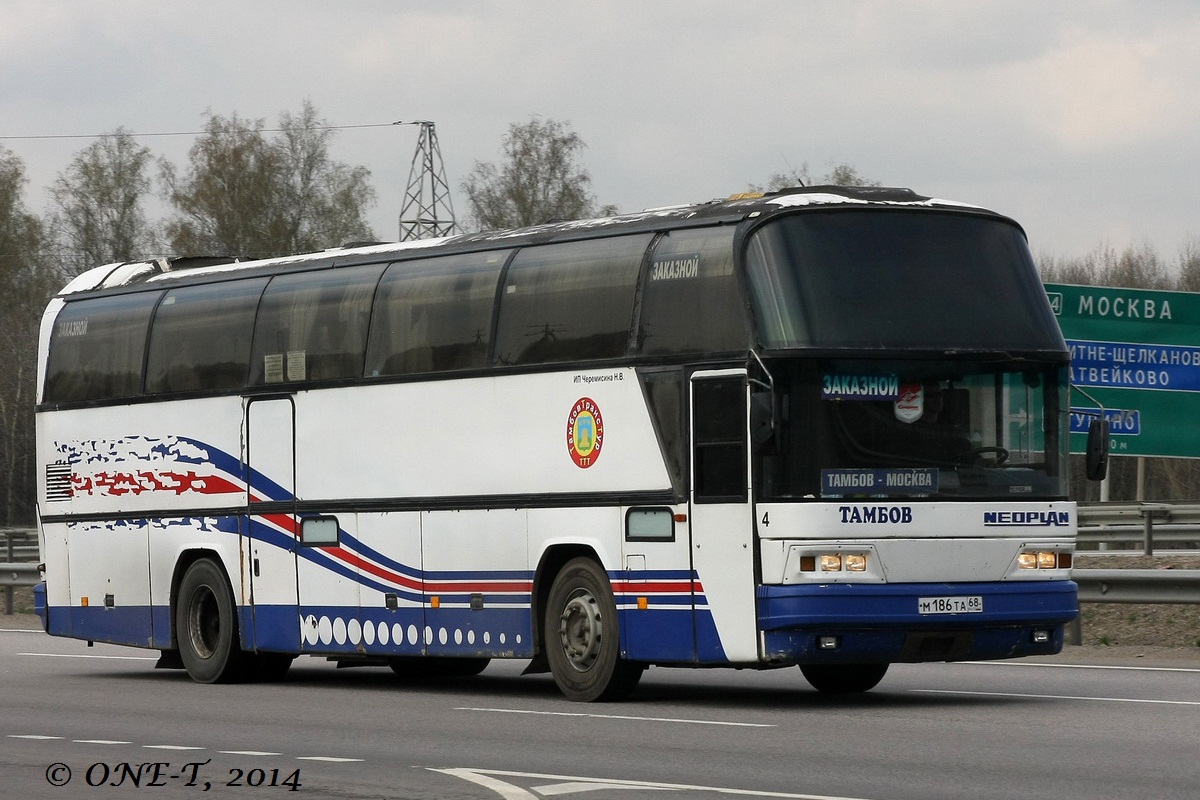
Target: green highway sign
{"type": "Point", "coordinates": [1137, 353]}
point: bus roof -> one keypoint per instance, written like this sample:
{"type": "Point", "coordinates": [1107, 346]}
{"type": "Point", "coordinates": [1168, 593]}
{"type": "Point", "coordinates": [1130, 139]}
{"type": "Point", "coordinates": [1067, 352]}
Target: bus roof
{"type": "Point", "coordinates": [714, 212]}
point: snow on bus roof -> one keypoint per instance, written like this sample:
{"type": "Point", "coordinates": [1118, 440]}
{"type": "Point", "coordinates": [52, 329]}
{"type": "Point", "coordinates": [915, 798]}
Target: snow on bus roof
{"type": "Point", "coordinates": [828, 198]}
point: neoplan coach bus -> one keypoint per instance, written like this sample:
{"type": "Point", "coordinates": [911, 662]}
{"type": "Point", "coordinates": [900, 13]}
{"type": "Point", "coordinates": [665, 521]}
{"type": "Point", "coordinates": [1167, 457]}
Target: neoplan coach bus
{"type": "Point", "coordinates": [824, 427]}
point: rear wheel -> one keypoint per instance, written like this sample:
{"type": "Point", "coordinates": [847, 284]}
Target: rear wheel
{"type": "Point", "coordinates": [843, 678]}
{"type": "Point", "coordinates": [207, 629]}
{"type": "Point", "coordinates": [581, 637]}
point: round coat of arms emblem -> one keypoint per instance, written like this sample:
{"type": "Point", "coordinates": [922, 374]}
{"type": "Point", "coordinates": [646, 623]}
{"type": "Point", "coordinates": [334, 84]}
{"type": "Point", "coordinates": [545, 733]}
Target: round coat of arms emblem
{"type": "Point", "coordinates": [585, 432]}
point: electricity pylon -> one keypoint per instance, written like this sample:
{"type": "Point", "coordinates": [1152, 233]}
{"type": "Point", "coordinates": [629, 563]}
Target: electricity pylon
{"type": "Point", "coordinates": [426, 212]}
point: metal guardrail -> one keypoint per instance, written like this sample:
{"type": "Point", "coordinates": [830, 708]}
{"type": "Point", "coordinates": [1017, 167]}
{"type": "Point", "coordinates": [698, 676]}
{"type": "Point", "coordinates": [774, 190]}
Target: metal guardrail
{"type": "Point", "coordinates": [1138, 585]}
{"type": "Point", "coordinates": [13, 575]}
{"type": "Point", "coordinates": [1105, 524]}
{"type": "Point", "coordinates": [16, 571]}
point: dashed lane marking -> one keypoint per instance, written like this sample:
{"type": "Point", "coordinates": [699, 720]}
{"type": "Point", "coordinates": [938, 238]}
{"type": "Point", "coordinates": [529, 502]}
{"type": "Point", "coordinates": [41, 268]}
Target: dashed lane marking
{"type": "Point", "coordinates": [623, 717]}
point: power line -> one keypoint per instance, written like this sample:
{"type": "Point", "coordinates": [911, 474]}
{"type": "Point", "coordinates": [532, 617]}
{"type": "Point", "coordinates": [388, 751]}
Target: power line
{"type": "Point", "coordinates": [190, 133]}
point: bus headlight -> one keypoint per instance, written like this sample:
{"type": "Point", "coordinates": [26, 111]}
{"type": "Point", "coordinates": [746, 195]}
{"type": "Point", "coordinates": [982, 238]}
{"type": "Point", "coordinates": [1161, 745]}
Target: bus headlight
{"type": "Point", "coordinates": [831, 562]}
{"type": "Point", "coordinates": [827, 563]}
{"type": "Point", "coordinates": [841, 562]}
{"type": "Point", "coordinates": [1043, 559]}
{"type": "Point", "coordinates": [856, 562]}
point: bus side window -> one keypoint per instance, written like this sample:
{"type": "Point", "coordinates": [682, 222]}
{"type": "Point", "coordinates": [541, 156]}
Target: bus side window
{"type": "Point", "coordinates": [200, 338]}
{"type": "Point", "coordinates": [649, 525]}
{"type": "Point", "coordinates": [690, 297]}
{"type": "Point", "coordinates": [434, 314]}
{"type": "Point", "coordinates": [319, 532]}
{"type": "Point", "coordinates": [97, 348]}
{"type": "Point", "coordinates": [570, 301]}
{"type": "Point", "coordinates": [719, 446]}
{"type": "Point", "coordinates": [313, 325]}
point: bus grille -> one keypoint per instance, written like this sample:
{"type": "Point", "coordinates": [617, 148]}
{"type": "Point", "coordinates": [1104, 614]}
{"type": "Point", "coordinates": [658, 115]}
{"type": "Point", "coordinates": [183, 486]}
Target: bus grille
{"type": "Point", "coordinates": [58, 482]}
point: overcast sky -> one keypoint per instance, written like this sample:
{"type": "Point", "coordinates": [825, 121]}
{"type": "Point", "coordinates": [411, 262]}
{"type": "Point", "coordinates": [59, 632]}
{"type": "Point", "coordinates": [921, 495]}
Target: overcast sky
{"type": "Point", "coordinates": [1080, 120]}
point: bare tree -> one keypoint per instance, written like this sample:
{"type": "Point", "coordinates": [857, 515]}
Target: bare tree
{"type": "Point", "coordinates": [321, 201]}
{"type": "Point", "coordinates": [26, 281]}
{"type": "Point", "coordinates": [245, 194]}
{"type": "Point", "coordinates": [1189, 266]}
{"type": "Point", "coordinates": [538, 179]}
{"type": "Point", "coordinates": [840, 174]}
{"type": "Point", "coordinates": [99, 215]}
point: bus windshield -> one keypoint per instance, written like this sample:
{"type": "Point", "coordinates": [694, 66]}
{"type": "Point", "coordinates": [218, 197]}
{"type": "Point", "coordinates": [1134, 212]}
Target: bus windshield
{"type": "Point", "coordinates": [916, 429]}
{"type": "Point", "coordinates": [888, 278]}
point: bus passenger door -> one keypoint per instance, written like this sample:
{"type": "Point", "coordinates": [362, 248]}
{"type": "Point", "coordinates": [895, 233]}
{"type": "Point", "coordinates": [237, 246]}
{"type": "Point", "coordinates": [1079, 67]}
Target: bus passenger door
{"type": "Point", "coordinates": [271, 534]}
{"type": "Point", "coordinates": [722, 518]}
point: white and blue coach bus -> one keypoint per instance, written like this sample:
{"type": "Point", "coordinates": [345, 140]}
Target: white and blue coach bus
{"type": "Point", "coordinates": [825, 427]}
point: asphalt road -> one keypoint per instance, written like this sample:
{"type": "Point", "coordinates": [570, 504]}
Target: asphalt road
{"type": "Point", "coordinates": [101, 722]}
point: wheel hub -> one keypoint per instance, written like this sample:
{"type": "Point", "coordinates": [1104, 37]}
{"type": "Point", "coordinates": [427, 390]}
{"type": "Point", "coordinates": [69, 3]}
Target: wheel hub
{"type": "Point", "coordinates": [581, 630]}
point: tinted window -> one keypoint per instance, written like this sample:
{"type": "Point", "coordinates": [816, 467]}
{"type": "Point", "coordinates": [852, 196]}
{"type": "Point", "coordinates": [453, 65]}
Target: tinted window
{"type": "Point", "coordinates": [434, 314]}
{"type": "Point", "coordinates": [312, 326]}
{"type": "Point", "coordinates": [897, 278]}
{"type": "Point", "coordinates": [664, 397]}
{"type": "Point", "coordinates": [568, 302]}
{"type": "Point", "coordinates": [690, 303]}
{"type": "Point", "coordinates": [97, 348]}
{"type": "Point", "coordinates": [719, 425]}
{"type": "Point", "coordinates": [200, 338]}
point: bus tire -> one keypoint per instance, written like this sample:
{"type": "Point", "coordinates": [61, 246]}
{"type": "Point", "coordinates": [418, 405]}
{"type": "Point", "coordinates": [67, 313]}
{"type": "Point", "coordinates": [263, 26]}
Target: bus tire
{"type": "Point", "coordinates": [581, 636]}
{"type": "Point", "coordinates": [843, 678]}
{"type": "Point", "coordinates": [206, 627]}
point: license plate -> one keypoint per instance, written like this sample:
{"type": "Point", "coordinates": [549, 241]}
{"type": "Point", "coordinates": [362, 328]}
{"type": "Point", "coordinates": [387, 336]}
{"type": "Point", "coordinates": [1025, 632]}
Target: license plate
{"type": "Point", "coordinates": [964, 604]}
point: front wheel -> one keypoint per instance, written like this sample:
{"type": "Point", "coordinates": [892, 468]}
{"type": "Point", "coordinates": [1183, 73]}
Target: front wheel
{"type": "Point", "coordinates": [206, 627]}
{"type": "Point", "coordinates": [843, 678]}
{"type": "Point", "coordinates": [581, 637]}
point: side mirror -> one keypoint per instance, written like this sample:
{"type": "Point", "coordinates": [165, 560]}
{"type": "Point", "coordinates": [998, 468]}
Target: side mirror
{"type": "Point", "coordinates": [1097, 450]}
{"type": "Point", "coordinates": [762, 418]}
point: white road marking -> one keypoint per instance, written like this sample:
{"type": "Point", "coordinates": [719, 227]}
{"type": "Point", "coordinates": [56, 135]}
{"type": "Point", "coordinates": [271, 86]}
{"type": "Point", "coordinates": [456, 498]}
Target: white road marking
{"type": "Point", "coordinates": [1082, 666]}
{"type": "Point", "coordinates": [170, 747]}
{"type": "Point", "coordinates": [566, 784]}
{"type": "Point", "coordinates": [1024, 696]}
{"type": "Point", "coordinates": [40, 737]}
{"type": "Point", "coordinates": [620, 717]}
{"type": "Point", "coordinates": [85, 655]}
